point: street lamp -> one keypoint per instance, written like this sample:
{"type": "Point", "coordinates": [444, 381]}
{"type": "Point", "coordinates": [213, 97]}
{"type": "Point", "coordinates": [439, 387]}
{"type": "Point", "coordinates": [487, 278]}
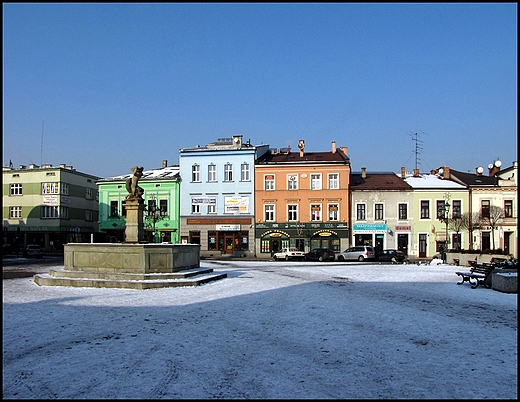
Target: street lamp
{"type": "Point", "coordinates": [444, 216]}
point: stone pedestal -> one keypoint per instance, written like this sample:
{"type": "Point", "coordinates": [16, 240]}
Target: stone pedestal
{"type": "Point", "coordinates": [505, 280]}
{"type": "Point", "coordinates": [134, 232]}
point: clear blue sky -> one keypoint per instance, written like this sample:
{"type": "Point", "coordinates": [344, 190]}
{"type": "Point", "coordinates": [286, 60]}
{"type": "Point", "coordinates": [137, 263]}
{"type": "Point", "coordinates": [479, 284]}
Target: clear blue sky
{"type": "Point", "coordinates": [117, 85]}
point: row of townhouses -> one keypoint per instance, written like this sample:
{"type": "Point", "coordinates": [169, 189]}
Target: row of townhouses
{"type": "Point", "coordinates": [232, 197]}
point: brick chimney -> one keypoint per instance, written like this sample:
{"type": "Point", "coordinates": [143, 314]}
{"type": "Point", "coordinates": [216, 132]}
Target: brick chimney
{"type": "Point", "coordinates": [363, 172]}
{"type": "Point", "coordinates": [446, 172]}
{"type": "Point", "coordinates": [344, 150]}
{"type": "Point", "coordinates": [403, 172]}
{"type": "Point", "coordinates": [164, 163]}
{"type": "Point", "coordinates": [333, 147]}
{"type": "Point", "coordinates": [416, 172]}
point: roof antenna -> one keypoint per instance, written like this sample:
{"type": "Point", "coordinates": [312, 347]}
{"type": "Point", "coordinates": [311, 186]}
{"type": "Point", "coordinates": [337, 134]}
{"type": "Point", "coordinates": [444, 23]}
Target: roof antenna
{"type": "Point", "coordinates": [41, 148]}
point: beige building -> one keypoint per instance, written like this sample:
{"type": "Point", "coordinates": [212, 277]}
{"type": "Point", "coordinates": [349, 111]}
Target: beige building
{"type": "Point", "coordinates": [48, 206]}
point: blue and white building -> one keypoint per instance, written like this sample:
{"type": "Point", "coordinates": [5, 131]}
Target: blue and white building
{"type": "Point", "coordinates": [218, 195]}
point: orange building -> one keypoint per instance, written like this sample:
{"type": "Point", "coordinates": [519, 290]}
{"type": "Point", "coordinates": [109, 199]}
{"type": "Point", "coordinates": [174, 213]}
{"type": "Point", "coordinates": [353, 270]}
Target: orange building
{"type": "Point", "coordinates": [302, 200]}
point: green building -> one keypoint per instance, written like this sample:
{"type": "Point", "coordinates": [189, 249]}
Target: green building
{"type": "Point", "coordinates": [161, 195]}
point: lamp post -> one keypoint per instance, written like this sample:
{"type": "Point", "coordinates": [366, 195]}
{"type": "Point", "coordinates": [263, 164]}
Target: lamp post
{"type": "Point", "coordinates": [444, 216]}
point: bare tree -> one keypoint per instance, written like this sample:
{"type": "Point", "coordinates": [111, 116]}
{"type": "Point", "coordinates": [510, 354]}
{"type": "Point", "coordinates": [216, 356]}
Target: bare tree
{"type": "Point", "coordinates": [457, 225]}
{"type": "Point", "coordinates": [470, 222]}
{"type": "Point", "coordinates": [494, 220]}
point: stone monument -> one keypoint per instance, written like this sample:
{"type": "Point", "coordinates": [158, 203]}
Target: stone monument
{"type": "Point", "coordinates": [134, 205]}
{"type": "Point", "coordinates": [133, 263]}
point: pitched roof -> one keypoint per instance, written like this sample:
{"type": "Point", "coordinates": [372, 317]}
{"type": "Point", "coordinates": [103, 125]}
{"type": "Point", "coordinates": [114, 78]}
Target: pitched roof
{"type": "Point", "coordinates": [378, 181]}
{"type": "Point", "coordinates": [169, 172]}
{"type": "Point", "coordinates": [274, 157]}
{"type": "Point", "coordinates": [472, 180]}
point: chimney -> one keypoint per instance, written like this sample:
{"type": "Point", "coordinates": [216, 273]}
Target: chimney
{"type": "Point", "coordinates": [479, 171]}
{"type": "Point", "coordinates": [446, 172]}
{"type": "Point", "coordinates": [403, 172]}
{"type": "Point", "coordinates": [301, 146]}
{"type": "Point", "coordinates": [416, 172]}
{"type": "Point", "coordinates": [164, 163]}
{"type": "Point", "coordinates": [333, 147]}
{"type": "Point", "coordinates": [363, 172]}
{"type": "Point", "coordinates": [344, 150]}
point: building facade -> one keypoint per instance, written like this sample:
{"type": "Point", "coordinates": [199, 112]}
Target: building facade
{"type": "Point", "coordinates": [382, 211]}
{"type": "Point", "coordinates": [302, 200]}
{"type": "Point", "coordinates": [161, 197]}
{"type": "Point", "coordinates": [48, 206]}
{"type": "Point", "coordinates": [217, 196]}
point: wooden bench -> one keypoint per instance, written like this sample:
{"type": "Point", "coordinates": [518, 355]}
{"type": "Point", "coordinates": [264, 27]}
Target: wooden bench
{"type": "Point", "coordinates": [479, 273]}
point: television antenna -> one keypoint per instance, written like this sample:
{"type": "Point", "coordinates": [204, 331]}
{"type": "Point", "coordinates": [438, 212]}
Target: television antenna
{"type": "Point", "coordinates": [418, 147]}
{"type": "Point", "coordinates": [41, 148]}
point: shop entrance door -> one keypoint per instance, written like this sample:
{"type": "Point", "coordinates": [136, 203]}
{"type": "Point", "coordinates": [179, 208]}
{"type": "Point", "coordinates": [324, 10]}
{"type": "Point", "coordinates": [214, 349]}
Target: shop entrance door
{"type": "Point", "coordinates": [229, 241]}
{"type": "Point", "coordinates": [422, 245]}
{"type": "Point", "coordinates": [402, 243]}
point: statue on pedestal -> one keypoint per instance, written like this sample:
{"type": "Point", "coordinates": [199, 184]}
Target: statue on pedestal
{"type": "Point", "coordinates": [134, 191]}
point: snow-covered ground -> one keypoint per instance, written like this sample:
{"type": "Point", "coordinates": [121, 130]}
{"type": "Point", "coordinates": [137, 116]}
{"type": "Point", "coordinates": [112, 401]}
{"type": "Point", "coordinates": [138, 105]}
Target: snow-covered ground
{"type": "Point", "coordinates": [270, 330]}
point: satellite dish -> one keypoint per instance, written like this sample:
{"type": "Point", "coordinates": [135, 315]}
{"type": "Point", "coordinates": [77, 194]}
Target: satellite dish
{"type": "Point", "coordinates": [236, 139]}
{"type": "Point", "coordinates": [480, 169]}
{"type": "Point", "coordinates": [441, 171]}
{"type": "Point", "coordinates": [490, 166]}
{"type": "Point", "coordinates": [498, 163]}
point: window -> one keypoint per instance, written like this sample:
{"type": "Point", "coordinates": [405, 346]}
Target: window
{"type": "Point", "coordinates": [333, 181]}
{"type": "Point", "coordinates": [403, 211]}
{"type": "Point", "coordinates": [15, 212]}
{"type": "Point", "coordinates": [292, 212]}
{"type": "Point", "coordinates": [269, 182]}
{"type": "Point", "coordinates": [16, 189]}
{"type": "Point", "coordinates": [333, 212]}
{"type": "Point", "coordinates": [152, 207]}
{"type": "Point", "coordinates": [508, 208]}
{"type": "Point", "coordinates": [88, 214]}
{"type": "Point", "coordinates": [456, 209]}
{"type": "Point", "coordinates": [195, 173]}
{"type": "Point", "coordinates": [89, 193]}
{"type": "Point", "coordinates": [425, 209]}
{"type": "Point", "coordinates": [114, 209]}
{"type": "Point", "coordinates": [361, 214]}
{"type": "Point", "coordinates": [163, 207]}
{"type": "Point", "coordinates": [315, 212]}
{"type": "Point", "coordinates": [50, 211]}
{"type": "Point", "coordinates": [292, 182]}
{"type": "Point", "coordinates": [50, 188]}
{"type": "Point", "coordinates": [64, 212]}
{"type": "Point", "coordinates": [228, 172]}
{"type": "Point", "coordinates": [441, 211]}
{"type": "Point", "coordinates": [316, 181]}
{"type": "Point", "coordinates": [485, 204]}
{"type": "Point", "coordinates": [64, 188]}
{"type": "Point", "coordinates": [244, 168]}
{"type": "Point", "coordinates": [378, 212]}
{"type": "Point", "coordinates": [195, 208]}
{"type": "Point", "coordinates": [212, 172]}
{"type": "Point", "coordinates": [269, 213]}
{"type": "Point", "coordinates": [212, 209]}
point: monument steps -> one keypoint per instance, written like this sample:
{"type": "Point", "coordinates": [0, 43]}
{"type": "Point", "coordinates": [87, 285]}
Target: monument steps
{"type": "Point", "coordinates": [189, 277]}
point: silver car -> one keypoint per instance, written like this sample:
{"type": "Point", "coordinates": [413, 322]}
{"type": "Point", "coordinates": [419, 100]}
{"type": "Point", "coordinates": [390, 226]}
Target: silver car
{"type": "Point", "coordinates": [357, 253]}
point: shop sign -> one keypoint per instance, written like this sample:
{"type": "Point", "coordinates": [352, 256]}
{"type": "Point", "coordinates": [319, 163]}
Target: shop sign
{"type": "Point", "coordinates": [403, 228]}
{"type": "Point", "coordinates": [227, 227]}
{"type": "Point", "coordinates": [203, 200]}
{"type": "Point", "coordinates": [50, 200]}
{"type": "Point", "coordinates": [369, 227]}
{"type": "Point", "coordinates": [236, 205]}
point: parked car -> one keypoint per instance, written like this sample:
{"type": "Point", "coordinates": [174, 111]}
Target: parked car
{"type": "Point", "coordinates": [391, 255]}
{"type": "Point", "coordinates": [289, 254]}
{"type": "Point", "coordinates": [33, 251]}
{"type": "Point", "coordinates": [357, 253]}
{"type": "Point", "coordinates": [320, 254]}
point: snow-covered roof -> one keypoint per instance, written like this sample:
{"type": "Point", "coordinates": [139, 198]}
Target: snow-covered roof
{"type": "Point", "coordinates": [169, 172]}
{"type": "Point", "coordinates": [432, 181]}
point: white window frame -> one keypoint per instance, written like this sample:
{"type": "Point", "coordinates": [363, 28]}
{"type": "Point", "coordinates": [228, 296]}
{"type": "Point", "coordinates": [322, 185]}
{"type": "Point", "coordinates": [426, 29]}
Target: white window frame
{"type": "Point", "coordinates": [330, 212]}
{"type": "Point", "coordinates": [16, 189]}
{"type": "Point", "coordinates": [333, 181]}
{"type": "Point", "coordinates": [316, 215]}
{"type": "Point", "coordinates": [382, 217]}
{"type": "Point", "coordinates": [269, 184]}
{"type": "Point", "coordinates": [316, 181]}
{"type": "Point", "coordinates": [212, 172]}
{"type": "Point", "coordinates": [245, 172]}
{"type": "Point", "coordinates": [195, 173]}
{"type": "Point", "coordinates": [228, 172]}
{"type": "Point", "coordinates": [292, 212]}
{"type": "Point", "coordinates": [269, 213]}
{"type": "Point", "coordinates": [365, 212]}
{"type": "Point", "coordinates": [15, 212]}
{"type": "Point", "coordinates": [292, 181]}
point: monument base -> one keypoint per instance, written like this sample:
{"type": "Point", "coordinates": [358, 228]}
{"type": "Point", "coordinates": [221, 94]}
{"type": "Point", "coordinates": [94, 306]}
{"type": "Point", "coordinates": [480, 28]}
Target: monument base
{"type": "Point", "coordinates": [138, 266]}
